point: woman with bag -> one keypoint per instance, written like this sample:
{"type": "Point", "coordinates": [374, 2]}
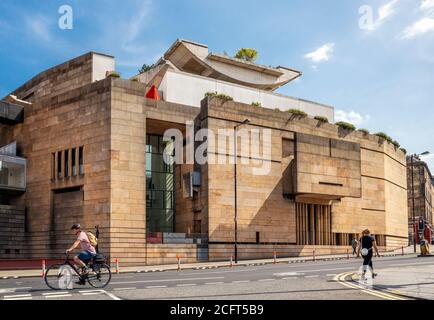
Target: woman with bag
{"type": "Point", "coordinates": [366, 245]}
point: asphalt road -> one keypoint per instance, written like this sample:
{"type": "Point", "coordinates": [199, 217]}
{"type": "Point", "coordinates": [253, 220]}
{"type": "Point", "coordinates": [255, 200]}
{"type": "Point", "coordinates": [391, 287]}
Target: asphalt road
{"type": "Point", "coordinates": [311, 280]}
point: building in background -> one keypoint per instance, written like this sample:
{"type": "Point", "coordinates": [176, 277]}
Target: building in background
{"type": "Point", "coordinates": [91, 147]}
{"type": "Point", "coordinates": [422, 193]}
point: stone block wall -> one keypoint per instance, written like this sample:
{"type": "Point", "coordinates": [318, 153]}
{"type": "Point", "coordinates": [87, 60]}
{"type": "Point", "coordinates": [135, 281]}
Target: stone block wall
{"type": "Point", "coordinates": [12, 233]}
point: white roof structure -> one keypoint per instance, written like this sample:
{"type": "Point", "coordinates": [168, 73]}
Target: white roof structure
{"type": "Point", "coordinates": [188, 70]}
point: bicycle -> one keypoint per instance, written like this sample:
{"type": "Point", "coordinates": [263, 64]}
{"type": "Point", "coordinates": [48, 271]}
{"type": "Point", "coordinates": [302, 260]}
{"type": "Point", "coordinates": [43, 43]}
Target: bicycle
{"type": "Point", "coordinates": [62, 276]}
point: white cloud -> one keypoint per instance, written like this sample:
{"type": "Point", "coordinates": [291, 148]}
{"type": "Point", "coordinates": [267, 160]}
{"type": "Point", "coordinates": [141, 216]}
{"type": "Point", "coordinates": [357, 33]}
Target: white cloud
{"type": "Point", "coordinates": [353, 117]}
{"type": "Point", "coordinates": [420, 27]}
{"type": "Point", "coordinates": [384, 13]}
{"type": "Point", "coordinates": [427, 4]}
{"type": "Point", "coordinates": [137, 22]}
{"type": "Point", "coordinates": [38, 27]}
{"type": "Point", "coordinates": [429, 159]}
{"type": "Point", "coordinates": [321, 54]}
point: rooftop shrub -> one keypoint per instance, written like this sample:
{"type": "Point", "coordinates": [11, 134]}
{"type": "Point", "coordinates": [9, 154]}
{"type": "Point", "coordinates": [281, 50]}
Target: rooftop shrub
{"type": "Point", "coordinates": [247, 54]}
{"type": "Point", "coordinates": [403, 150]}
{"type": "Point", "coordinates": [346, 125]}
{"type": "Point", "coordinates": [322, 119]}
{"type": "Point", "coordinates": [365, 131]}
{"type": "Point", "coordinates": [384, 136]}
{"type": "Point", "coordinates": [396, 144]}
{"type": "Point", "coordinates": [145, 68]}
{"type": "Point", "coordinates": [256, 104]}
{"type": "Point", "coordinates": [219, 96]}
{"type": "Point", "coordinates": [113, 74]}
{"type": "Point", "coordinates": [297, 112]}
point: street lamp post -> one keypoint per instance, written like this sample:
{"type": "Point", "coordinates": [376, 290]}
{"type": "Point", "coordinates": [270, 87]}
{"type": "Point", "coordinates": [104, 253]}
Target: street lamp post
{"type": "Point", "coordinates": [412, 195]}
{"type": "Point", "coordinates": [235, 189]}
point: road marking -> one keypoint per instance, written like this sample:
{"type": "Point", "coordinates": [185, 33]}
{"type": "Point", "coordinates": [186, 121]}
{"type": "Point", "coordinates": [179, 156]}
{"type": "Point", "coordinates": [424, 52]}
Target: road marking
{"type": "Point", "coordinates": [186, 285]}
{"type": "Point", "coordinates": [91, 293]}
{"type": "Point", "coordinates": [314, 276]}
{"type": "Point", "coordinates": [155, 287]}
{"type": "Point", "coordinates": [331, 274]}
{"type": "Point", "coordinates": [58, 296]}
{"type": "Point", "coordinates": [54, 293]}
{"type": "Point", "coordinates": [241, 281]}
{"type": "Point", "coordinates": [264, 280]}
{"type": "Point", "coordinates": [22, 298]}
{"type": "Point", "coordinates": [165, 280]}
{"type": "Point", "coordinates": [217, 272]}
{"type": "Point", "coordinates": [408, 264]}
{"type": "Point", "coordinates": [341, 279]}
{"type": "Point", "coordinates": [18, 296]}
{"type": "Point", "coordinates": [124, 289]}
{"type": "Point", "coordinates": [110, 295]}
{"type": "Point", "coordinates": [10, 290]}
{"type": "Point", "coordinates": [285, 274]}
{"type": "Point", "coordinates": [289, 278]}
{"type": "Point", "coordinates": [213, 283]}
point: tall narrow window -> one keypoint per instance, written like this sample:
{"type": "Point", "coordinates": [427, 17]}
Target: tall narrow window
{"type": "Point", "coordinates": [74, 161]}
{"type": "Point", "coordinates": [59, 164]}
{"type": "Point", "coordinates": [66, 164]}
{"type": "Point", "coordinates": [80, 160]}
{"type": "Point", "coordinates": [53, 166]}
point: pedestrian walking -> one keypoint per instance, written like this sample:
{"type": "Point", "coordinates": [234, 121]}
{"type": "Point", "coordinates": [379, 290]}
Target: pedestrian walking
{"type": "Point", "coordinates": [354, 244]}
{"type": "Point", "coordinates": [366, 246]}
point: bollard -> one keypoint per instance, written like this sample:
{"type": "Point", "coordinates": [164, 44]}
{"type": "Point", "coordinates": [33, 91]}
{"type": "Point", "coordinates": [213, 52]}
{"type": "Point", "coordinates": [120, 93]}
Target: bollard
{"type": "Point", "coordinates": [275, 257]}
{"type": "Point", "coordinates": [348, 254]}
{"type": "Point", "coordinates": [402, 250]}
{"type": "Point", "coordinates": [117, 266]}
{"type": "Point", "coordinates": [313, 255]}
{"type": "Point", "coordinates": [179, 262]}
{"type": "Point", "coordinates": [230, 265]}
{"type": "Point", "coordinates": [43, 268]}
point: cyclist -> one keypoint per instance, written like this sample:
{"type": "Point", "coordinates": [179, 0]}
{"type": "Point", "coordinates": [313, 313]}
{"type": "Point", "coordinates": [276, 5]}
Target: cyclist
{"type": "Point", "coordinates": [366, 244]}
{"type": "Point", "coordinates": [88, 251]}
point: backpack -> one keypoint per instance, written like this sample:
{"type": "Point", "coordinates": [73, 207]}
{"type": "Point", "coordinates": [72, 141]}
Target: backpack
{"type": "Point", "coordinates": [93, 240]}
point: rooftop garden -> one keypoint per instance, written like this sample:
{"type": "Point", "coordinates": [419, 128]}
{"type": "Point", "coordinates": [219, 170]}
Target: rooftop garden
{"type": "Point", "coordinates": [113, 74]}
{"type": "Point", "coordinates": [298, 113]}
{"type": "Point", "coordinates": [146, 68]}
{"type": "Point", "coordinates": [321, 119]}
{"type": "Point", "coordinates": [247, 54]}
{"type": "Point", "coordinates": [219, 96]}
{"type": "Point", "coordinates": [346, 125]}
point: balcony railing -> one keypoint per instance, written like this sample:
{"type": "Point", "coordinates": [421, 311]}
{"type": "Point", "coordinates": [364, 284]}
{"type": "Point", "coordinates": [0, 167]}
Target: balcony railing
{"type": "Point", "coordinates": [12, 173]}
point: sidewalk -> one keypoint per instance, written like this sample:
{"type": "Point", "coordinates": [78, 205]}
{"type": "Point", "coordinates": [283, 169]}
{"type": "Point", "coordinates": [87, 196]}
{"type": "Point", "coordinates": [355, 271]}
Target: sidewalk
{"type": "Point", "coordinates": [415, 281]}
{"type": "Point", "coordinates": [6, 274]}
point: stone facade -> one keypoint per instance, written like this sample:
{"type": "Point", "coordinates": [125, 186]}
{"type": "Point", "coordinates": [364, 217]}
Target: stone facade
{"type": "Point", "coordinates": [85, 143]}
{"type": "Point", "coordinates": [421, 186]}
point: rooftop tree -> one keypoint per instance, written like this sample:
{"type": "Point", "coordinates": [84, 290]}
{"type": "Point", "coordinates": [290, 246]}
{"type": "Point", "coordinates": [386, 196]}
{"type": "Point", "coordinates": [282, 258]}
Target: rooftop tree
{"type": "Point", "coordinates": [247, 54]}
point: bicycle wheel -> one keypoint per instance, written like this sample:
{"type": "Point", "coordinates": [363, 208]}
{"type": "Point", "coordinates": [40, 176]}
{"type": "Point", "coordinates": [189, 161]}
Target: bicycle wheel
{"type": "Point", "coordinates": [60, 277]}
{"type": "Point", "coordinates": [99, 276]}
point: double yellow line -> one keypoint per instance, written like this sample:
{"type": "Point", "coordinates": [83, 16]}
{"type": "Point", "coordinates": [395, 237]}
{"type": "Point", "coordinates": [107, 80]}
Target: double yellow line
{"type": "Point", "coordinates": [341, 278]}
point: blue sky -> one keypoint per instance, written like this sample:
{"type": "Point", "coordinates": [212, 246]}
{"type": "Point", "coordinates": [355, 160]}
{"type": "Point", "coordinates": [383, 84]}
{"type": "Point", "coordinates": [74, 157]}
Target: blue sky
{"type": "Point", "coordinates": [378, 75]}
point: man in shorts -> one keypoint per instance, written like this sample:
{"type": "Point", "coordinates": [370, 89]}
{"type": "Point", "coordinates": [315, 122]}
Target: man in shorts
{"type": "Point", "coordinates": [88, 251]}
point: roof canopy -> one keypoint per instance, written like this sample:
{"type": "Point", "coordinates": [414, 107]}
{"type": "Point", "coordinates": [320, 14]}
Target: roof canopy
{"type": "Point", "coordinates": [195, 58]}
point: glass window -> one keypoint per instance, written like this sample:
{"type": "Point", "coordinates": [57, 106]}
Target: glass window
{"type": "Point", "coordinates": [66, 163]}
{"type": "Point", "coordinates": [73, 161]}
{"type": "Point", "coordinates": [160, 187]}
